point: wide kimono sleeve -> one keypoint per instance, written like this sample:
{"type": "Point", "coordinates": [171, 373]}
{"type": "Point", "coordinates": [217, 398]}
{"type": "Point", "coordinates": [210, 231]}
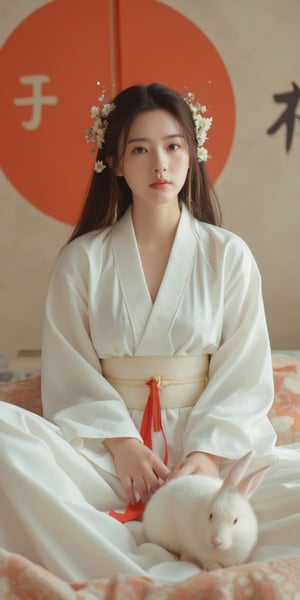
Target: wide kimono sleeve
{"type": "Point", "coordinates": [230, 417]}
{"type": "Point", "coordinates": [75, 395]}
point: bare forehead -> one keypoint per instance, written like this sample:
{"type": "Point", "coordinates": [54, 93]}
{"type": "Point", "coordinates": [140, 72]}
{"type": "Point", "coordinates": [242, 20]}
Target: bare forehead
{"type": "Point", "coordinates": [157, 123]}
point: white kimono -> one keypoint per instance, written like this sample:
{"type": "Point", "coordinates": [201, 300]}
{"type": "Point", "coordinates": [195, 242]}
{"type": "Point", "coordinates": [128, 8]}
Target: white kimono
{"type": "Point", "coordinates": [60, 481]}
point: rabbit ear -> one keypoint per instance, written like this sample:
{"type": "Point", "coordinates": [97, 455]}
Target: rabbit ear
{"type": "Point", "coordinates": [250, 483]}
{"type": "Point", "coordinates": [237, 471]}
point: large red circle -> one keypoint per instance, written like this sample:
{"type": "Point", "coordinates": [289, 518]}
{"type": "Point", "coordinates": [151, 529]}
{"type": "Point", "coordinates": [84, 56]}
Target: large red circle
{"type": "Point", "coordinates": [61, 50]}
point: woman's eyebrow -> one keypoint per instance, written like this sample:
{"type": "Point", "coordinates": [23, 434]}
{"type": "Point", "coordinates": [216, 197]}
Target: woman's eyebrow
{"type": "Point", "coordinates": [143, 139]}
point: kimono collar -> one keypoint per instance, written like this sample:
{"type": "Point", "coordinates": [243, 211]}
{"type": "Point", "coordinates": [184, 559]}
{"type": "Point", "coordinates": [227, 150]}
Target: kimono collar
{"type": "Point", "coordinates": [151, 322]}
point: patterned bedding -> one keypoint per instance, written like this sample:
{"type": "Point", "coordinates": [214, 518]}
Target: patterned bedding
{"type": "Point", "coordinates": [20, 579]}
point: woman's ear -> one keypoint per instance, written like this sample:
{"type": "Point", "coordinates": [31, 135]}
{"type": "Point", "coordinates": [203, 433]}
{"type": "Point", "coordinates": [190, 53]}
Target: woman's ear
{"type": "Point", "coordinates": [117, 170]}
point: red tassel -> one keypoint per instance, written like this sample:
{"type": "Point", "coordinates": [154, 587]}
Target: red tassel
{"type": "Point", "coordinates": [151, 419]}
{"type": "Point", "coordinates": [132, 513]}
{"type": "Point", "coordinates": [154, 403]}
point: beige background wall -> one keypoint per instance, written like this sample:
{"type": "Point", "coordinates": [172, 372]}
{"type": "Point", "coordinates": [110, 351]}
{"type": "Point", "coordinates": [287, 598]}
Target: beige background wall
{"type": "Point", "coordinates": [259, 189]}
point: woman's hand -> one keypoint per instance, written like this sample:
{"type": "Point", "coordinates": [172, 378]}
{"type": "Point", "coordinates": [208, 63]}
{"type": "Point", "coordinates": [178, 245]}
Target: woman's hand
{"type": "Point", "coordinates": [139, 469]}
{"type": "Point", "coordinates": [197, 462]}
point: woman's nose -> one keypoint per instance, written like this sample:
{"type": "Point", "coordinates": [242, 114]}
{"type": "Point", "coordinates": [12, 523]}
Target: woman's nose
{"type": "Point", "coordinates": [159, 170]}
{"type": "Point", "coordinates": [159, 161]}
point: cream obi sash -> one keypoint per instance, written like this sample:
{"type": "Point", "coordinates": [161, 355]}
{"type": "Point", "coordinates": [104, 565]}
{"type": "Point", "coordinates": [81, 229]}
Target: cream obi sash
{"type": "Point", "coordinates": [179, 379]}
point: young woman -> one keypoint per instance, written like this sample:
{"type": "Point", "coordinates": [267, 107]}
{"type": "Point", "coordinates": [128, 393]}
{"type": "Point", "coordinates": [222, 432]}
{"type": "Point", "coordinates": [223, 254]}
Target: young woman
{"type": "Point", "coordinates": [155, 363]}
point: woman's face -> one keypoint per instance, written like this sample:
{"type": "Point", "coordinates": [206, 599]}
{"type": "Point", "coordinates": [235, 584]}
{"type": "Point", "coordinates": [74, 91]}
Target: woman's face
{"type": "Point", "coordinates": [156, 158]}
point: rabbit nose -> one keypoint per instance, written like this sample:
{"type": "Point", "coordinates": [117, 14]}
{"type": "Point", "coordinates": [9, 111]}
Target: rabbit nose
{"type": "Point", "coordinates": [216, 542]}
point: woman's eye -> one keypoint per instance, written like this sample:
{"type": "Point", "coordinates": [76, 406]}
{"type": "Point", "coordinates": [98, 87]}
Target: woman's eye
{"type": "Point", "coordinates": [139, 150]}
{"type": "Point", "coordinates": [173, 146]}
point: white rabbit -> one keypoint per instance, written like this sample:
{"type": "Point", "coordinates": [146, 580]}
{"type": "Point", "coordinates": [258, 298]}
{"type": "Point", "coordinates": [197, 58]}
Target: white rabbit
{"type": "Point", "coordinates": [206, 520]}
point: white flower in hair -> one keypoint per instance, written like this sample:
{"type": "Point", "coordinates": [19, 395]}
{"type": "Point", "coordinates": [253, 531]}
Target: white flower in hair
{"type": "Point", "coordinates": [202, 125]}
{"type": "Point", "coordinates": [99, 166]}
{"type": "Point", "coordinates": [202, 154]}
{"type": "Point", "coordinates": [95, 112]}
{"type": "Point", "coordinates": [96, 134]}
{"type": "Point", "coordinates": [107, 108]}
{"type": "Point", "coordinates": [99, 135]}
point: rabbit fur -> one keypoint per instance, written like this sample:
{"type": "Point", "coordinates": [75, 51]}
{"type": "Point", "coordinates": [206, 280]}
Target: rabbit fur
{"type": "Point", "coordinates": [204, 519]}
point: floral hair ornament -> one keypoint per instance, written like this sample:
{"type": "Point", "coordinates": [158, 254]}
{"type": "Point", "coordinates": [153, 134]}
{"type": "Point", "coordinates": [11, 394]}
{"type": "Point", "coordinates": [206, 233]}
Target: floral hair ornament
{"type": "Point", "coordinates": [202, 124]}
{"type": "Point", "coordinates": [96, 134]}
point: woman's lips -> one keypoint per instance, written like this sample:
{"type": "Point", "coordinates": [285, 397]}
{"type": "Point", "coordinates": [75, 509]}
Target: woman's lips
{"type": "Point", "coordinates": [160, 184]}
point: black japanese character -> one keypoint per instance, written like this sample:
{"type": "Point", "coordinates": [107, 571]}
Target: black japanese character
{"type": "Point", "coordinates": [289, 116]}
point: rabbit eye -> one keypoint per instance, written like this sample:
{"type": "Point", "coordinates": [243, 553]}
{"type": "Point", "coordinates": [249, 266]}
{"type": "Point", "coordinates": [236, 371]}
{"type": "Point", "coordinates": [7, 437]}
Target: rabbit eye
{"type": "Point", "coordinates": [210, 516]}
{"type": "Point", "coordinates": [234, 521]}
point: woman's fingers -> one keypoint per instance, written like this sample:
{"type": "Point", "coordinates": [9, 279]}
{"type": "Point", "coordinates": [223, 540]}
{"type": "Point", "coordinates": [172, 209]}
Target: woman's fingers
{"type": "Point", "coordinates": [147, 482]}
{"type": "Point", "coordinates": [128, 487]}
{"type": "Point", "coordinates": [197, 463]}
{"type": "Point", "coordinates": [161, 470]}
{"type": "Point", "coordinates": [140, 470]}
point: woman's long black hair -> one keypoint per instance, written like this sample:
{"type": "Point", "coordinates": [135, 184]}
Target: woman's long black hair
{"type": "Point", "coordinates": [109, 196]}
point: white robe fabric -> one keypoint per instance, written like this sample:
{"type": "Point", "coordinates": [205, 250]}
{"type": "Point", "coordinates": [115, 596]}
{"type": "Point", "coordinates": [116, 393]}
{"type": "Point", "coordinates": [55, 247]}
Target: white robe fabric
{"type": "Point", "coordinates": [58, 480]}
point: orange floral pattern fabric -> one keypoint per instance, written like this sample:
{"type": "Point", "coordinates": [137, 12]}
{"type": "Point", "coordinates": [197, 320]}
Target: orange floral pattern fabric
{"type": "Point", "coordinates": [285, 412]}
{"type": "Point", "coordinates": [279, 579]}
{"type": "Point", "coordinates": [25, 393]}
